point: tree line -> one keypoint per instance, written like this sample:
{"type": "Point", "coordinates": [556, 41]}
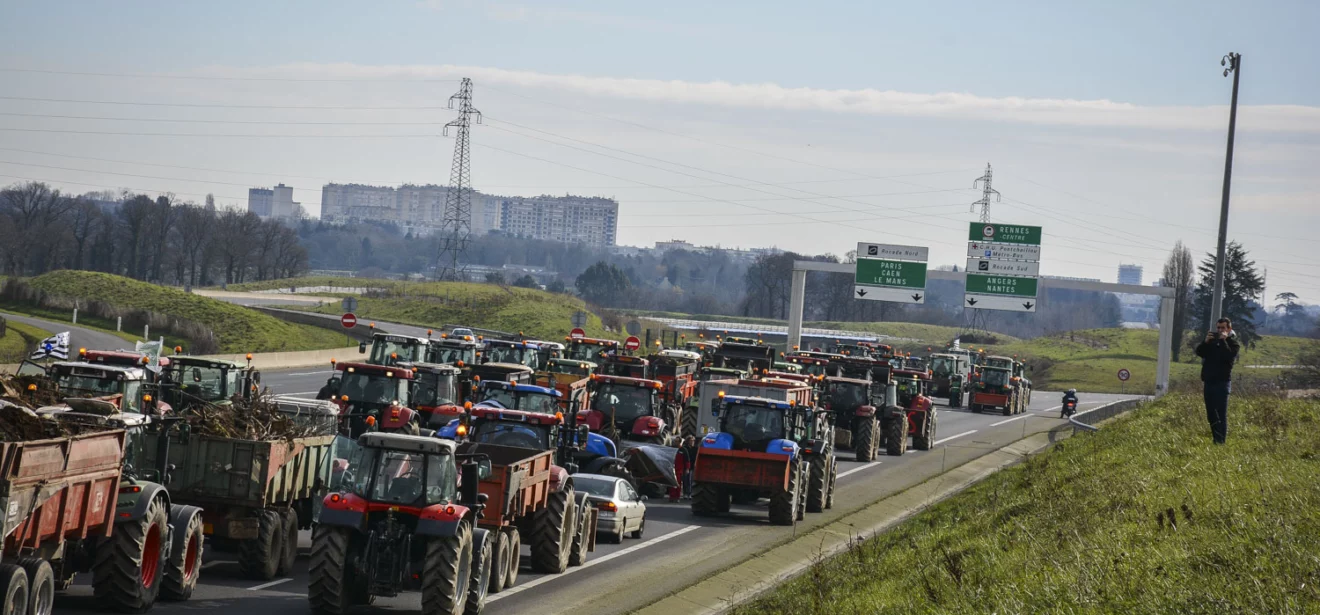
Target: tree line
{"type": "Point", "coordinates": [162, 239]}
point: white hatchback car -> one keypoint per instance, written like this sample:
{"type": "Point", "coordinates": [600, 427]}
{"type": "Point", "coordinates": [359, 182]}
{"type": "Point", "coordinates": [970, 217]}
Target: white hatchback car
{"type": "Point", "coordinates": [622, 510]}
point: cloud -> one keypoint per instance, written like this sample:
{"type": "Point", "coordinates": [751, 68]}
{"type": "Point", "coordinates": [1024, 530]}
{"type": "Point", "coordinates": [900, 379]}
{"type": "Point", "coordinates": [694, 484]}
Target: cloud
{"type": "Point", "coordinates": [1278, 202]}
{"type": "Point", "coordinates": [868, 101]}
{"type": "Point", "coordinates": [524, 13]}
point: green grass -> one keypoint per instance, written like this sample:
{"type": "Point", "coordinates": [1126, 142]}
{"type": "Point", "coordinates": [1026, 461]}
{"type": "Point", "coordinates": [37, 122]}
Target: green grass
{"type": "Point", "coordinates": [536, 313]}
{"type": "Point", "coordinates": [236, 328]}
{"type": "Point", "coordinates": [18, 339]}
{"type": "Point", "coordinates": [100, 325]}
{"type": "Point", "coordinates": [1145, 516]}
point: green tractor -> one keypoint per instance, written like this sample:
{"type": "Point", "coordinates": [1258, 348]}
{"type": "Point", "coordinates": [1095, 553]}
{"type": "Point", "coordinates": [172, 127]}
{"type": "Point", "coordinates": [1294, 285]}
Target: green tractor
{"type": "Point", "coordinates": [950, 373]}
{"type": "Point", "coordinates": [193, 381]}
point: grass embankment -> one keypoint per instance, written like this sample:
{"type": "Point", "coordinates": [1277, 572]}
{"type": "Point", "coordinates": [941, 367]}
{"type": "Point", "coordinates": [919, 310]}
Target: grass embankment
{"type": "Point", "coordinates": [538, 314]}
{"type": "Point", "coordinates": [1145, 516]}
{"type": "Point", "coordinates": [18, 340]}
{"type": "Point", "coordinates": [178, 315]}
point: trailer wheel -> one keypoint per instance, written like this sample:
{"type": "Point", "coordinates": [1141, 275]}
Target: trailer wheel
{"type": "Point", "coordinates": [706, 499]}
{"type": "Point", "coordinates": [581, 540]}
{"type": "Point", "coordinates": [922, 441]}
{"type": "Point", "coordinates": [259, 558]}
{"type": "Point", "coordinates": [330, 577]}
{"type": "Point", "coordinates": [482, 545]}
{"type": "Point", "coordinates": [863, 439]}
{"type": "Point", "coordinates": [447, 573]}
{"type": "Point", "coordinates": [499, 561]}
{"type": "Point", "coordinates": [126, 575]}
{"type": "Point", "coordinates": [552, 537]}
{"type": "Point", "coordinates": [41, 585]}
{"type": "Point", "coordinates": [817, 485]}
{"type": "Point", "coordinates": [783, 503]}
{"type": "Point", "coordinates": [185, 565]}
{"type": "Point", "coordinates": [896, 436]}
{"type": "Point", "coordinates": [15, 582]}
{"type": "Point", "coordinates": [515, 557]}
{"type": "Point", "coordinates": [289, 548]}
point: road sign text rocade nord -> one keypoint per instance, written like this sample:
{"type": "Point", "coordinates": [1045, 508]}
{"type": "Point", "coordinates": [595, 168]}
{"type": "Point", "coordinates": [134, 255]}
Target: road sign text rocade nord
{"type": "Point", "coordinates": [1004, 233]}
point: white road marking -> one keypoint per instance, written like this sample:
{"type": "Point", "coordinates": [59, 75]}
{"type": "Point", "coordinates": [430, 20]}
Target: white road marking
{"type": "Point", "coordinates": [1022, 416]}
{"type": "Point", "coordinates": [965, 433]}
{"type": "Point", "coordinates": [589, 563]}
{"type": "Point", "coordinates": [1049, 410]}
{"type": "Point", "coordinates": [302, 393]}
{"type": "Point", "coordinates": [271, 584]}
{"type": "Point", "coordinates": [328, 371]}
{"type": "Point", "coordinates": [858, 469]}
{"type": "Point", "coordinates": [216, 563]}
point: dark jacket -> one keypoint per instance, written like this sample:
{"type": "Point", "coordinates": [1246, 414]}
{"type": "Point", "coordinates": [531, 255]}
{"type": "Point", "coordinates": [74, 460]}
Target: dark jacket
{"type": "Point", "coordinates": [1217, 357]}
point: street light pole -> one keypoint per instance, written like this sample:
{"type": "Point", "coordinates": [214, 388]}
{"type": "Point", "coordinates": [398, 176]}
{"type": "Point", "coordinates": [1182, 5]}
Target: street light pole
{"type": "Point", "coordinates": [1232, 63]}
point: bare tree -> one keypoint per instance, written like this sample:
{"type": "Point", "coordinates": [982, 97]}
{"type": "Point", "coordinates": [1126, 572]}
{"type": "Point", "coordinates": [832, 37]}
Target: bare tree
{"type": "Point", "coordinates": [1180, 275]}
{"type": "Point", "coordinates": [192, 236]}
{"type": "Point", "coordinates": [31, 212]}
{"type": "Point", "coordinates": [84, 220]}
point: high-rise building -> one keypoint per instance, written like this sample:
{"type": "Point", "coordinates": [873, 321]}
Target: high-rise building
{"type": "Point", "coordinates": [570, 219]}
{"type": "Point", "coordinates": [259, 201]}
{"type": "Point", "coordinates": [274, 202]}
{"type": "Point", "coordinates": [1129, 274]}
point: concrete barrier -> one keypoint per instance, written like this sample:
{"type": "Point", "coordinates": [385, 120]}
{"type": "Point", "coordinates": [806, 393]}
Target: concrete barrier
{"type": "Point", "coordinates": [288, 360]}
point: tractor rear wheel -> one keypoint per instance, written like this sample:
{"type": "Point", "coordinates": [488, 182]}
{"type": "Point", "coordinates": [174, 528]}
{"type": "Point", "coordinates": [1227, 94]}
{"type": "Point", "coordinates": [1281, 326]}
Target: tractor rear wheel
{"type": "Point", "coordinates": [709, 500]}
{"type": "Point", "coordinates": [515, 557]}
{"type": "Point", "coordinates": [289, 548]}
{"type": "Point", "coordinates": [581, 541]}
{"type": "Point", "coordinates": [499, 561]}
{"type": "Point", "coordinates": [896, 436]}
{"type": "Point", "coordinates": [783, 503]}
{"type": "Point", "coordinates": [41, 586]}
{"type": "Point", "coordinates": [552, 536]}
{"type": "Point", "coordinates": [863, 439]}
{"type": "Point", "coordinates": [447, 572]}
{"type": "Point", "coordinates": [691, 418]}
{"type": "Point", "coordinates": [126, 575]}
{"type": "Point", "coordinates": [923, 440]}
{"type": "Point", "coordinates": [259, 558]}
{"type": "Point", "coordinates": [14, 582]}
{"type": "Point", "coordinates": [185, 564]}
{"type": "Point", "coordinates": [834, 478]}
{"type": "Point", "coordinates": [479, 584]}
{"type": "Point", "coordinates": [329, 576]}
{"type": "Point", "coordinates": [818, 484]}
{"type": "Point", "coordinates": [803, 471]}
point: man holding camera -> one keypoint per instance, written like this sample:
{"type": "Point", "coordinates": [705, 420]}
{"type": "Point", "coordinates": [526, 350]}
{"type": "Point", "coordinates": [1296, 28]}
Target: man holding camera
{"type": "Point", "coordinates": [1218, 353]}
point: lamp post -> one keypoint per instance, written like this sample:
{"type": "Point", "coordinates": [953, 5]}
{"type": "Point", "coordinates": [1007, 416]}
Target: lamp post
{"type": "Point", "coordinates": [1232, 63]}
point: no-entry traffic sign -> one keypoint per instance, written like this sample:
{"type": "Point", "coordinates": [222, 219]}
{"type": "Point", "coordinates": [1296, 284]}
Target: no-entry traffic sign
{"type": "Point", "coordinates": [1124, 374]}
{"type": "Point", "coordinates": [632, 343]}
{"type": "Point", "coordinates": [349, 320]}
{"type": "Point", "coordinates": [577, 334]}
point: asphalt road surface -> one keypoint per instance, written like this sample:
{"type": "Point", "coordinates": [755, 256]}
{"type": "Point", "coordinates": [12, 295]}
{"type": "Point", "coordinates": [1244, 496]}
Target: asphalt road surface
{"type": "Point", "coordinates": [78, 336]}
{"type": "Point", "coordinates": [677, 549]}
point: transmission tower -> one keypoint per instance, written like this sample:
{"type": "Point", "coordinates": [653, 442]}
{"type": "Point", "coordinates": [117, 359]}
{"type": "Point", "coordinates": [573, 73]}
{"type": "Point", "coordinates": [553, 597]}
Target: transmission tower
{"type": "Point", "coordinates": [457, 221]}
{"type": "Point", "coordinates": [986, 191]}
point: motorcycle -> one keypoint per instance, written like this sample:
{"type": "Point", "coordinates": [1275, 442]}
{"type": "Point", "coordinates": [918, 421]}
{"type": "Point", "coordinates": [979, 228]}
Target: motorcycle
{"type": "Point", "coordinates": [1069, 409]}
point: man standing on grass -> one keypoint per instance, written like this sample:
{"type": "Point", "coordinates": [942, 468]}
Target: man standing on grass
{"type": "Point", "coordinates": [1218, 352]}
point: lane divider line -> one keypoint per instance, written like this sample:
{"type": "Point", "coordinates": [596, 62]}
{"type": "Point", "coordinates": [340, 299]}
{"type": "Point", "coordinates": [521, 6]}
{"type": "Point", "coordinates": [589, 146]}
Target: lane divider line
{"type": "Point", "coordinates": [859, 469]}
{"type": "Point", "coordinates": [965, 433]}
{"type": "Point", "coordinates": [330, 371]}
{"type": "Point", "coordinates": [589, 563]}
{"type": "Point", "coordinates": [1016, 418]}
{"type": "Point", "coordinates": [271, 584]}
{"type": "Point", "coordinates": [216, 563]}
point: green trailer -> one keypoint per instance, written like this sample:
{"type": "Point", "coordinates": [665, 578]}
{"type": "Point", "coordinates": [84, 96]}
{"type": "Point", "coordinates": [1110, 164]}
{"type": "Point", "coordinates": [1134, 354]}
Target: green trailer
{"type": "Point", "coordinates": [256, 495]}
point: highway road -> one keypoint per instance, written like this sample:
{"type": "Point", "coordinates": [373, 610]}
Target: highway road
{"type": "Point", "coordinates": [78, 336]}
{"type": "Point", "coordinates": [678, 549]}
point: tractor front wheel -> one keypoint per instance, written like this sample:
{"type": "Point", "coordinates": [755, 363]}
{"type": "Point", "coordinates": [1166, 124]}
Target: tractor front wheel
{"type": "Point", "coordinates": [924, 440]}
{"type": "Point", "coordinates": [784, 503]}
{"type": "Point", "coordinates": [896, 436]}
{"type": "Point", "coordinates": [447, 572]}
{"type": "Point", "coordinates": [479, 583]}
{"type": "Point", "coordinates": [863, 438]}
{"type": "Point", "coordinates": [127, 573]}
{"type": "Point", "coordinates": [818, 484]}
{"type": "Point", "coordinates": [330, 575]}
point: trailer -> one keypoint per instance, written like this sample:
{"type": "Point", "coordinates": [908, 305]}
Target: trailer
{"type": "Point", "coordinates": [256, 495]}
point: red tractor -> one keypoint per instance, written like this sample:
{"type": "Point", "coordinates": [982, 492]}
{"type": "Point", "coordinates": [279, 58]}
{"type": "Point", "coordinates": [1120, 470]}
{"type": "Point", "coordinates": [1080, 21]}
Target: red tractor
{"type": "Point", "coordinates": [631, 409]}
{"type": "Point", "coordinates": [403, 517]}
{"type": "Point", "coordinates": [913, 416]}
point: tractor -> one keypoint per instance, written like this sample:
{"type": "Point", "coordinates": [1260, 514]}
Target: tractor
{"type": "Point", "coordinates": [505, 351]}
{"type": "Point", "coordinates": [914, 414]}
{"type": "Point", "coordinates": [631, 409]}
{"type": "Point", "coordinates": [855, 421]}
{"type": "Point", "coordinates": [364, 391]}
{"type": "Point", "coordinates": [949, 377]}
{"type": "Point", "coordinates": [191, 381]}
{"type": "Point", "coordinates": [389, 349]}
{"type": "Point", "coordinates": [589, 349]}
{"type": "Point", "coordinates": [459, 351]}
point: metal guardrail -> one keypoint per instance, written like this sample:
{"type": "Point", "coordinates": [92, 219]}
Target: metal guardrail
{"type": "Point", "coordinates": [1086, 420]}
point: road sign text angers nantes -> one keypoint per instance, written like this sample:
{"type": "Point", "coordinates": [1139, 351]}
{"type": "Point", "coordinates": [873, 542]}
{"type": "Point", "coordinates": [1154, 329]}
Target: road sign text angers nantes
{"type": "Point", "coordinates": [1004, 233]}
{"type": "Point", "coordinates": [1001, 285]}
{"type": "Point", "coordinates": [901, 274]}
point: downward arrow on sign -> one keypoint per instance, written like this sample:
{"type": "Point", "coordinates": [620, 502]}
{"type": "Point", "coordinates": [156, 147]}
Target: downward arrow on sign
{"type": "Point", "coordinates": [861, 292]}
{"type": "Point", "coordinates": [1027, 305]}
{"type": "Point", "coordinates": [916, 296]}
{"type": "Point", "coordinates": [971, 301]}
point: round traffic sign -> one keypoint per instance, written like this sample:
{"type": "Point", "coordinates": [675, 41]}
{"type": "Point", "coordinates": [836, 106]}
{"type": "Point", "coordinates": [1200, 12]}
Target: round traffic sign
{"type": "Point", "coordinates": [348, 320]}
{"type": "Point", "coordinates": [1124, 374]}
{"type": "Point", "coordinates": [988, 231]}
{"type": "Point", "coordinates": [632, 343]}
{"type": "Point", "coordinates": [577, 333]}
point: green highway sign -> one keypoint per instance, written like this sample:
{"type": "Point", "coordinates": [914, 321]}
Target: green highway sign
{"type": "Point", "coordinates": [894, 274]}
{"type": "Point", "coordinates": [1001, 285]}
{"type": "Point", "coordinates": [1004, 233]}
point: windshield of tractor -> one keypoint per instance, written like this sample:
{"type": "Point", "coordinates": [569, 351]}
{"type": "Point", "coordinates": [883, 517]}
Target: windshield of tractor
{"type": "Point", "coordinates": [519, 434]}
{"type": "Point", "coordinates": [76, 382]}
{"type": "Point", "coordinates": [372, 388]}
{"type": "Point", "coordinates": [581, 351]}
{"type": "Point", "coordinates": [510, 354]}
{"type": "Point", "coordinates": [561, 366]}
{"type": "Point", "coordinates": [847, 395]}
{"type": "Point", "coordinates": [754, 423]}
{"type": "Point", "coordinates": [205, 382]}
{"type": "Point", "coordinates": [622, 402]}
{"type": "Point", "coordinates": [995, 377]}
{"type": "Point", "coordinates": [383, 349]}
{"type": "Point", "coordinates": [942, 366]}
{"type": "Point", "coordinates": [452, 355]}
{"type": "Point", "coordinates": [401, 477]}
{"type": "Point", "coordinates": [434, 389]}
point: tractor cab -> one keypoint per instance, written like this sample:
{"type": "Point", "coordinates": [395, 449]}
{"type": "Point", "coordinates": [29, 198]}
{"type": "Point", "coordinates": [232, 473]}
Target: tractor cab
{"type": "Point", "coordinates": [1000, 362]}
{"type": "Point", "coordinates": [877, 350]}
{"type": "Point", "coordinates": [950, 373]}
{"type": "Point", "coordinates": [847, 398]}
{"type": "Point", "coordinates": [994, 379]}
{"type": "Point", "coordinates": [506, 351]}
{"type": "Point", "coordinates": [629, 407]}
{"type": "Point", "coordinates": [546, 352]}
{"type": "Point", "coordinates": [750, 358]}
{"type": "Point", "coordinates": [189, 381]}
{"type": "Point", "coordinates": [364, 391]}
{"type": "Point", "coordinates": [919, 364]}
{"type": "Point", "coordinates": [787, 367]}
{"type": "Point", "coordinates": [105, 389]}
{"type": "Point", "coordinates": [589, 349]}
{"type": "Point", "coordinates": [861, 368]}
{"type": "Point", "coordinates": [391, 349]}
{"type": "Point", "coordinates": [910, 385]}
{"type": "Point", "coordinates": [702, 347]}
{"type": "Point", "coordinates": [526, 397]}
{"type": "Point", "coordinates": [459, 351]}
{"type": "Point", "coordinates": [721, 373]}
{"type": "Point", "coordinates": [849, 350]}
{"type": "Point", "coordinates": [811, 364]}
{"type": "Point", "coordinates": [626, 366]}
{"type": "Point", "coordinates": [757, 424]}
{"type": "Point", "coordinates": [435, 389]}
{"type": "Point", "coordinates": [125, 358]}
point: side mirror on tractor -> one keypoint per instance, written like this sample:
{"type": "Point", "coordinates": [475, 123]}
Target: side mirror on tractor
{"type": "Point", "coordinates": [362, 348]}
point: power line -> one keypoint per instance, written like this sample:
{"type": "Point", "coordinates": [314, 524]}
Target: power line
{"type": "Point", "coordinates": [220, 106]}
{"type": "Point", "coordinates": [223, 135]}
{"type": "Point", "coordinates": [986, 191]}
{"type": "Point", "coordinates": [195, 121]}
{"type": "Point", "coordinates": [218, 78]}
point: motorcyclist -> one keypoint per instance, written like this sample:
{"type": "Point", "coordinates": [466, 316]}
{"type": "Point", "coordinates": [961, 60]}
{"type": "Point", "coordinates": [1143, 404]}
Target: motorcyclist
{"type": "Point", "coordinates": [1069, 396]}
{"type": "Point", "coordinates": [328, 391]}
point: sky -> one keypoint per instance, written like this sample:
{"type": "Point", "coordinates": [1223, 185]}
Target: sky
{"type": "Point", "coordinates": [806, 126]}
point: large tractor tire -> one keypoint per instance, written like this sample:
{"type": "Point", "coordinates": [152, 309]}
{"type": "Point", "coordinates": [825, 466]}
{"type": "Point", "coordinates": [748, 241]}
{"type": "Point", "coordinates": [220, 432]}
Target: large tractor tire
{"type": "Point", "coordinates": [14, 583]}
{"type": "Point", "coordinates": [552, 536]}
{"type": "Point", "coordinates": [289, 548]}
{"type": "Point", "coordinates": [581, 541]}
{"type": "Point", "coordinates": [803, 472]}
{"type": "Point", "coordinates": [515, 559]}
{"type": "Point", "coordinates": [834, 478]}
{"type": "Point", "coordinates": [896, 436]}
{"type": "Point", "coordinates": [483, 543]}
{"type": "Point", "coordinates": [41, 586]}
{"type": "Point", "coordinates": [863, 439]}
{"type": "Point", "coordinates": [447, 572]}
{"type": "Point", "coordinates": [126, 575]}
{"type": "Point", "coordinates": [499, 561]}
{"type": "Point", "coordinates": [818, 484]}
{"type": "Point", "coordinates": [924, 440]}
{"type": "Point", "coordinates": [329, 577]}
{"type": "Point", "coordinates": [691, 423]}
{"type": "Point", "coordinates": [259, 558]}
{"type": "Point", "coordinates": [185, 565]}
{"type": "Point", "coordinates": [708, 500]}
{"type": "Point", "coordinates": [784, 503]}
